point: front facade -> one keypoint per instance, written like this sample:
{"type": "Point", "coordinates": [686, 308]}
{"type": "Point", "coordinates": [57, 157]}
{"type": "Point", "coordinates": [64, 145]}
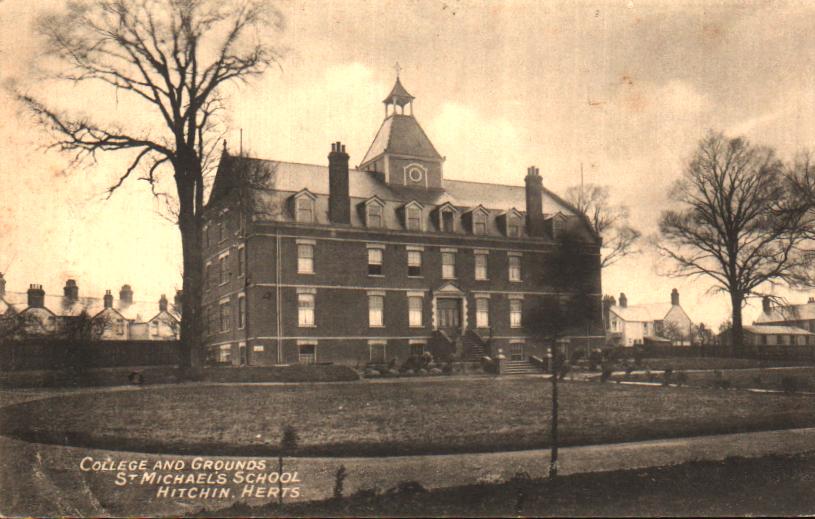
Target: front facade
{"type": "Point", "coordinates": [631, 325]}
{"type": "Point", "coordinates": [308, 263]}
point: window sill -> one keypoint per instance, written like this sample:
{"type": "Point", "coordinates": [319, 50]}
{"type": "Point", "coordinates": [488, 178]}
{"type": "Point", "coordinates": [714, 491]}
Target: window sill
{"type": "Point", "coordinates": [415, 277]}
{"type": "Point", "coordinates": [516, 281]}
{"type": "Point", "coordinates": [305, 273]}
{"type": "Point", "coordinates": [482, 279]}
{"type": "Point", "coordinates": [307, 326]}
{"type": "Point", "coordinates": [417, 326]}
{"type": "Point", "coordinates": [450, 279]}
{"type": "Point", "coordinates": [376, 275]}
{"type": "Point", "coordinates": [376, 326]}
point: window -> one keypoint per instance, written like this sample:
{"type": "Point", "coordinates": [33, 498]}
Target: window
{"type": "Point", "coordinates": [375, 262]}
{"type": "Point", "coordinates": [307, 353]}
{"type": "Point", "coordinates": [206, 236]}
{"type": "Point", "coordinates": [448, 265]}
{"type": "Point", "coordinates": [447, 221]}
{"type": "Point", "coordinates": [513, 227]}
{"type": "Point", "coordinates": [221, 231]}
{"type": "Point", "coordinates": [515, 313]}
{"type": "Point", "coordinates": [480, 266]}
{"type": "Point", "coordinates": [241, 261]}
{"type": "Point", "coordinates": [416, 349]}
{"type": "Point", "coordinates": [241, 312]}
{"type": "Point", "coordinates": [257, 347]}
{"type": "Point", "coordinates": [514, 268]}
{"type": "Point", "coordinates": [225, 354]}
{"type": "Point", "coordinates": [120, 326]}
{"type": "Point", "coordinates": [305, 310]}
{"type": "Point", "coordinates": [377, 352]}
{"type": "Point", "coordinates": [414, 263]}
{"type": "Point", "coordinates": [223, 273]}
{"type": "Point", "coordinates": [304, 209]}
{"type": "Point", "coordinates": [413, 218]}
{"type": "Point", "coordinates": [415, 311]}
{"type": "Point", "coordinates": [207, 276]}
{"type": "Point", "coordinates": [479, 223]}
{"type": "Point", "coordinates": [482, 312]}
{"type": "Point", "coordinates": [305, 258]}
{"type": "Point", "coordinates": [374, 215]}
{"type": "Point", "coordinates": [154, 328]}
{"type": "Point", "coordinates": [376, 307]}
{"type": "Point", "coordinates": [225, 316]}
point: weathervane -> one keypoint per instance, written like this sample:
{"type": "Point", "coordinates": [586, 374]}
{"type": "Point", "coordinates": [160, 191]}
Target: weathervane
{"type": "Point", "coordinates": [397, 68]}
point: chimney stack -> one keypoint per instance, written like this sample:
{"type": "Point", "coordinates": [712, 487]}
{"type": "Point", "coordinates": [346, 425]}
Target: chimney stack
{"type": "Point", "coordinates": [623, 300]}
{"type": "Point", "coordinates": [608, 302]}
{"type": "Point", "coordinates": [162, 303]}
{"type": "Point", "coordinates": [126, 294]}
{"type": "Point", "coordinates": [339, 200]}
{"type": "Point", "coordinates": [36, 296]}
{"type": "Point", "coordinates": [71, 290]}
{"type": "Point", "coordinates": [766, 304]}
{"type": "Point", "coordinates": [2, 285]}
{"type": "Point", "coordinates": [534, 201]}
{"type": "Point", "coordinates": [177, 300]}
{"type": "Point", "coordinates": [675, 297]}
{"type": "Point", "coordinates": [108, 299]}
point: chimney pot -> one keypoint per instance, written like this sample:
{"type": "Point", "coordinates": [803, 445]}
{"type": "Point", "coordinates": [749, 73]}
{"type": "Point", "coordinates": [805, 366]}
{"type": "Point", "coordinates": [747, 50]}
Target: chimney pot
{"type": "Point", "coordinates": [108, 299]}
{"type": "Point", "coordinates": [126, 294]}
{"type": "Point", "coordinates": [674, 297]}
{"type": "Point", "coordinates": [766, 304]}
{"type": "Point", "coordinates": [534, 202]}
{"type": "Point", "coordinates": [623, 300]}
{"type": "Point", "coordinates": [162, 303]}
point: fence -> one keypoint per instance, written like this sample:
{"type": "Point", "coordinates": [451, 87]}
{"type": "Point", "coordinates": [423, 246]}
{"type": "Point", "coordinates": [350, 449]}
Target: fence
{"type": "Point", "coordinates": [45, 354]}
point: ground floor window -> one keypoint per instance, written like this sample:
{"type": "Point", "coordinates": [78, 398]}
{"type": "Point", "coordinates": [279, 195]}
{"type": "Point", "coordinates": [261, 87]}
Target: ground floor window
{"type": "Point", "coordinates": [516, 351]}
{"type": "Point", "coordinates": [307, 353]}
{"type": "Point", "coordinates": [377, 352]}
{"type": "Point", "coordinates": [243, 355]}
{"type": "Point", "coordinates": [257, 347]}
{"type": "Point", "coordinates": [417, 349]}
{"type": "Point", "coordinates": [224, 354]}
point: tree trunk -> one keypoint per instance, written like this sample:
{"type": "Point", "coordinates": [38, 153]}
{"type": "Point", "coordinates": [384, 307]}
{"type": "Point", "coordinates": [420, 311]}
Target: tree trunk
{"type": "Point", "coordinates": [737, 331]}
{"type": "Point", "coordinates": [190, 225]}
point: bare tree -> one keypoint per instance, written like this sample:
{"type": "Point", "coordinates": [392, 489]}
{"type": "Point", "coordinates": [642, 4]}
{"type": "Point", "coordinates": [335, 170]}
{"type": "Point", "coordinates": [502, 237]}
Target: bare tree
{"type": "Point", "coordinates": [172, 58]}
{"type": "Point", "coordinates": [739, 223]}
{"type": "Point", "coordinates": [610, 222]}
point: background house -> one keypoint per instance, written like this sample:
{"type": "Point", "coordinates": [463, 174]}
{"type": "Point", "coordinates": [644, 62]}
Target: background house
{"type": "Point", "coordinates": [800, 316]}
{"type": "Point", "coordinates": [629, 325]}
{"type": "Point", "coordinates": [35, 313]}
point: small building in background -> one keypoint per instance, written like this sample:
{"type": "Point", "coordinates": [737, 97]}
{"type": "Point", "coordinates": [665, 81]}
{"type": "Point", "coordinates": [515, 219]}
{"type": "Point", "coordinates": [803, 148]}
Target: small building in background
{"type": "Point", "coordinates": [799, 316]}
{"type": "Point", "coordinates": [771, 335]}
{"type": "Point", "coordinates": [631, 325]}
{"type": "Point", "coordinates": [35, 313]}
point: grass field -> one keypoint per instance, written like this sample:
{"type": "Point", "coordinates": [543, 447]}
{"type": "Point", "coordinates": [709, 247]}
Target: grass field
{"type": "Point", "coordinates": [393, 418]}
{"type": "Point", "coordinates": [768, 486]}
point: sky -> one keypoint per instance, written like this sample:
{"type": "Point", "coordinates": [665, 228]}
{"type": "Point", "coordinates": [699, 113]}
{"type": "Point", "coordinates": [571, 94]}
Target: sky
{"type": "Point", "coordinates": [625, 89]}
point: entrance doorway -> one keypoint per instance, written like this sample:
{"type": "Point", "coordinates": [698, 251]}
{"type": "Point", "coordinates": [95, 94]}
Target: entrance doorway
{"type": "Point", "coordinates": [449, 310]}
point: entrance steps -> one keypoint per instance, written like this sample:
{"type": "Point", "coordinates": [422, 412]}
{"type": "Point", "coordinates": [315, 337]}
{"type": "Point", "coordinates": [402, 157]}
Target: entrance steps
{"type": "Point", "coordinates": [519, 367]}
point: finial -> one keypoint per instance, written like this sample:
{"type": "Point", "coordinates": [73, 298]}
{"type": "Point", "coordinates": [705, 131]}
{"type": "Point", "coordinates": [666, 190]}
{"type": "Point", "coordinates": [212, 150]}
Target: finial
{"type": "Point", "coordinates": [226, 151]}
{"type": "Point", "coordinates": [398, 69]}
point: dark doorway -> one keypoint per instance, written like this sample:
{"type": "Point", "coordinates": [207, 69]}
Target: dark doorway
{"type": "Point", "coordinates": [449, 315]}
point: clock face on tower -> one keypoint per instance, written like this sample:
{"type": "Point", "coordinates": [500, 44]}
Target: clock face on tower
{"type": "Point", "coordinates": [415, 174]}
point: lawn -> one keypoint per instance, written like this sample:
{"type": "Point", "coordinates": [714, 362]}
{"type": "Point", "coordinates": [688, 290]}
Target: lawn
{"type": "Point", "coordinates": [433, 416]}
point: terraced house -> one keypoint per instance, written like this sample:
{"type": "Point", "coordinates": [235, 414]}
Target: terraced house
{"type": "Point", "coordinates": [327, 263]}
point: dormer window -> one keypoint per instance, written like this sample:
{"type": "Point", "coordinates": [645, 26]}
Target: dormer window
{"type": "Point", "coordinates": [512, 223]}
{"type": "Point", "coordinates": [374, 213]}
{"type": "Point", "coordinates": [445, 217]}
{"type": "Point", "coordinates": [304, 207]}
{"type": "Point", "coordinates": [413, 216]}
{"type": "Point", "coordinates": [480, 221]}
{"type": "Point", "coordinates": [447, 221]}
{"type": "Point", "coordinates": [558, 224]}
{"type": "Point", "coordinates": [513, 227]}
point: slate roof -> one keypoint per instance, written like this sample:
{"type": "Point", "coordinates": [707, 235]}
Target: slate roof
{"type": "Point", "coordinates": [138, 311]}
{"type": "Point", "coordinates": [643, 313]}
{"type": "Point", "coordinates": [782, 314]}
{"type": "Point", "coordinates": [401, 135]}
{"type": "Point", "coordinates": [774, 330]}
{"type": "Point", "coordinates": [283, 179]}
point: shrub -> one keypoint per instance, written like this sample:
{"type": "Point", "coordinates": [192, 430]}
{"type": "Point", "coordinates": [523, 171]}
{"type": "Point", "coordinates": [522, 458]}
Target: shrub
{"type": "Point", "coordinates": [339, 481]}
{"type": "Point", "coordinates": [407, 487]}
{"type": "Point", "coordinates": [366, 493]}
{"type": "Point", "coordinates": [681, 378]}
{"type": "Point", "coordinates": [666, 376]}
{"type": "Point", "coordinates": [447, 368]}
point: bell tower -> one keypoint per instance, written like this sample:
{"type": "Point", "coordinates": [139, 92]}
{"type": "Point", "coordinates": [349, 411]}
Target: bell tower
{"type": "Point", "coordinates": [401, 151]}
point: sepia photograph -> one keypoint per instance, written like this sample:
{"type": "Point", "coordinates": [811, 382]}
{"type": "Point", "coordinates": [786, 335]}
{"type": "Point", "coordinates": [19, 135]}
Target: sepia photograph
{"type": "Point", "coordinates": [407, 258]}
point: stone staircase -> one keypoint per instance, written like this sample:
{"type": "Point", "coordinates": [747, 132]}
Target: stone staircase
{"type": "Point", "coordinates": [474, 346]}
{"type": "Point", "coordinates": [519, 367]}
